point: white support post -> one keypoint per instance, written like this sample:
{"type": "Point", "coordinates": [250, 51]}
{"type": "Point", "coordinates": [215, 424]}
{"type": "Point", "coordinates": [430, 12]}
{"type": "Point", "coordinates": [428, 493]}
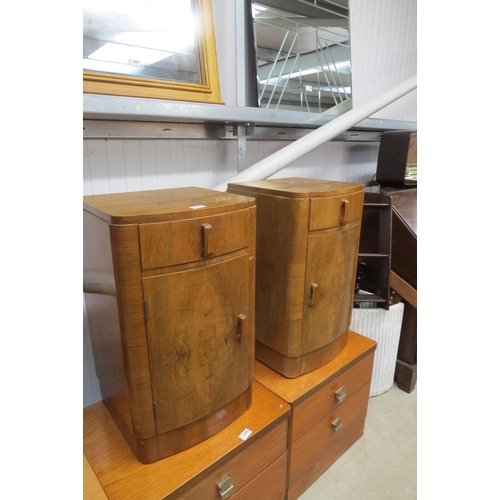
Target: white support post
{"type": "Point", "coordinates": [282, 158]}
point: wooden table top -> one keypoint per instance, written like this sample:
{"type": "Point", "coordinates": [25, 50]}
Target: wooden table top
{"type": "Point", "coordinates": [295, 390]}
{"type": "Point", "coordinates": [123, 477]}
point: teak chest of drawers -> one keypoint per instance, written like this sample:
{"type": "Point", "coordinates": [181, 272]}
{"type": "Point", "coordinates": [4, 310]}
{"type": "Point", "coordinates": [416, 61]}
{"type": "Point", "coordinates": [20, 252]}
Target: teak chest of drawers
{"type": "Point", "coordinates": [169, 281]}
{"type": "Point", "coordinates": [328, 407]}
{"type": "Point", "coordinates": [307, 248]}
{"type": "Point", "coordinates": [223, 466]}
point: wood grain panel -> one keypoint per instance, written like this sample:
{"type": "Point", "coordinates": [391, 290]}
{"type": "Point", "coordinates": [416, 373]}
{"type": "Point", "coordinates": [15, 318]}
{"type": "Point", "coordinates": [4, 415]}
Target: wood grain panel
{"type": "Point", "coordinates": [304, 279]}
{"type": "Point", "coordinates": [331, 265]}
{"type": "Point", "coordinates": [163, 205]}
{"type": "Point", "coordinates": [294, 367]}
{"type": "Point", "coordinates": [281, 245]}
{"type": "Point", "coordinates": [192, 331]}
{"type": "Point", "coordinates": [295, 187]}
{"type": "Point", "coordinates": [176, 440]}
{"type": "Point", "coordinates": [401, 287]}
{"type": "Point", "coordinates": [169, 243]}
{"type": "Point", "coordinates": [296, 390]}
{"type": "Point", "coordinates": [312, 446]}
{"type": "Point", "coordinates": [270, 484]}
{"type": "Point", "coordinates": [324, 401]}
{"type": "Point", "coordinates": [123, 477]}
{"type": "Point", "coordinates": [92, 489]}
{"type": "Point", "coordinates": [328, 212]}
{"type": "Point", "coordinates": [243, 467]}
{"type": "Point", "coordinates": [332, 455]}
{"type": "Point", "coordinates": [127, 267]}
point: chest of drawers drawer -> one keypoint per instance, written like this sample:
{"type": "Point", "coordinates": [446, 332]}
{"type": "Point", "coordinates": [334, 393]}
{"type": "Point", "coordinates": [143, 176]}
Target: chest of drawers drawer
{"type": "Point", "coordinates": [330, 397]}
{"type": "Point", "coordinates": [231, 476]}
{"type": "Point", "coordinates": [326, 441]}
{"type": "Point", "coordinates": [328, 410]}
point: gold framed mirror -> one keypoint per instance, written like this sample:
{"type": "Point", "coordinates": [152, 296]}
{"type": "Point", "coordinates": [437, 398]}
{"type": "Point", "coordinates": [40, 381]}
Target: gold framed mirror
{"type": "Point", "coordinates": [162, 49]}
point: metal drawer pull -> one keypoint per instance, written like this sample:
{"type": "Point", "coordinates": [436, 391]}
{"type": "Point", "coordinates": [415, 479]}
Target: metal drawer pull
{"type": "Point", "coordinates": [226, 488]}
{"type": "Point", "coordinates": [340, 394]}
{"type": "Point", "coordinates": [208, 240]}
{"type": "Point", "coordinates": [337, 424]}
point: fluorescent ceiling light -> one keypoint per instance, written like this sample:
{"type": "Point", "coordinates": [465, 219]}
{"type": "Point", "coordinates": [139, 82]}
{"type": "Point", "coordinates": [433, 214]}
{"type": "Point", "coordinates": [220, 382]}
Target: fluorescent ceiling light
{"type": "Point", "coordinates": [126, 54]}
{"type": "Point", "coordinates": [257, 9]}
{"type": "Point", "coordinates": [295, 74]}
{"type": "Point", "coordinates": [302, 72]}
{"type": "Point", "coordinates": [341, 67]}
{"type": "Point", "coordinates": [141, 49]}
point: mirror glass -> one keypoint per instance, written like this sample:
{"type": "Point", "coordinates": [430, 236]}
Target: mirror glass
{"type": "Point", "coordinates": [303, 55]}
{"type": "Point", "coordinates": [154, 39]}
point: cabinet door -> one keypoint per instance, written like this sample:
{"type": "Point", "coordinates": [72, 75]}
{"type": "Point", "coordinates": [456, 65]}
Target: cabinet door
{"type": "Point", "coordinates": [201, 358]}
{"type": "Point", "coordinates": [329, 286]}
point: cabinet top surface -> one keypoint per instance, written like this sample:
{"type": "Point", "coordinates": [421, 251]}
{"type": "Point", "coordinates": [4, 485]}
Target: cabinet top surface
{"type": "Point", "coordinates": [297, 187]}
{"type": "Point", "coordinates": [294, 390]}
{"type": "Point", "coordinates": [163, 204]}
{"type": "Point", "coordinates": [404, 203]}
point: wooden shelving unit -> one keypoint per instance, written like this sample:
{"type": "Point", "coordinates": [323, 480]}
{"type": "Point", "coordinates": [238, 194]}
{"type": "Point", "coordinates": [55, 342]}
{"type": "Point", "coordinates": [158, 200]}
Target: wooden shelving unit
{"type": "Point", "coordinates": [374, 257]}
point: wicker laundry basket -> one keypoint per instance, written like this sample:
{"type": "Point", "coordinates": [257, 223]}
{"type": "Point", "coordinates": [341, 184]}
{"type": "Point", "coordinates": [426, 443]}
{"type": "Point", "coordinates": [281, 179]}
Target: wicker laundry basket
{"type": "Point", "coordinates": [385, 328]}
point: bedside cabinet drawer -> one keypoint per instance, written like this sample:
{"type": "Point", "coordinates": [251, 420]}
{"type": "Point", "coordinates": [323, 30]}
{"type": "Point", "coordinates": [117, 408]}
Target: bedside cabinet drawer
{"type": "Point", "coordinates": [232, 478]}
{"type": "Point", "coordinates": [328, 398]}
{"type": "Point", "coordinates": [335, 211]}
{"type": "Point", "coordinates": [329, 438]}
{"type": "Point", "coordinates": [170, 243]}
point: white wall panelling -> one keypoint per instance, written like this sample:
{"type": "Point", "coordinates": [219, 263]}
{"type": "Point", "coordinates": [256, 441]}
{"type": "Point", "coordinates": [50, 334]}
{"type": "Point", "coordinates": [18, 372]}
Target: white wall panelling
{"type": "Point", "coordinates": [383, 45]}
{"type": "Point", "coordinates": [384, 52]}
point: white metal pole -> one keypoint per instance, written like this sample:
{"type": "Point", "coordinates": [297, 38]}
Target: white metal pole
{"type": "Point", "coordinates": [279, 160]}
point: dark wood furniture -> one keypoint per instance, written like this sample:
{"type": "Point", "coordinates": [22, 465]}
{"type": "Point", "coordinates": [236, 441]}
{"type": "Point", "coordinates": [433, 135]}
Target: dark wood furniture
{"type": "Point", "coordinates": [307, 246]}
{"type": "Point", "coordinates": [397, 159]}
{"type": "Point", "coordinates": [169, 277]}
{"type": "Point", "coordinates": [234, 463]}
{"type": "Point", "coordinates": [374, 257]}
{"type": "Point", "coordinates": [387, 263]}
{"type": "Point", "coordinates": [328, 410]}
{"type": "Point", "coordinates": [404, 280]}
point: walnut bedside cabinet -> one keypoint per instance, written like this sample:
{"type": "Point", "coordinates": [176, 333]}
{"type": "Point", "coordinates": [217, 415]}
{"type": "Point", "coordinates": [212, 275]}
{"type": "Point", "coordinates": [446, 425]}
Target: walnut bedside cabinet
{"type": "Point", "coordinates": [329, 407]}
{"type": "Point", "coordinates": [169, 281]}
{"type": "Point", "coordinates": [307, 250]}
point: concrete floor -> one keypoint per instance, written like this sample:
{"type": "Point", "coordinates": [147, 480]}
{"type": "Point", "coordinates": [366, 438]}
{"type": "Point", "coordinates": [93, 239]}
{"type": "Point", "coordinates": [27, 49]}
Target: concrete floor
{"type": "Point", "coordinates": [382, 465]}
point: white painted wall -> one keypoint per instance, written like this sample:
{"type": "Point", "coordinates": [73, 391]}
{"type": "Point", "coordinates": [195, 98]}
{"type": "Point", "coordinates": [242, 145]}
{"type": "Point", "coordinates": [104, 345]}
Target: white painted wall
{"type": "Point", "coordinates": [383, 54]}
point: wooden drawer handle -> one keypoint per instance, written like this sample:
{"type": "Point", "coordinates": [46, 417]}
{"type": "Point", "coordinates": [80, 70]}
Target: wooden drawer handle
{"type": "Point", "coordinates": [208, 240]}
{"type": "Point", "coordinates": [344, 212]}
{"type": "Point", "coordinates": [340, 394]}
{"type": "Point", "coordinates": [337, 424]}
{"type": "Point", "coordinates": [226, 488]}
{"type": "Point", "coordinates": [242, 327]}
{"type": "Point", "coordinates": [314, 294]}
